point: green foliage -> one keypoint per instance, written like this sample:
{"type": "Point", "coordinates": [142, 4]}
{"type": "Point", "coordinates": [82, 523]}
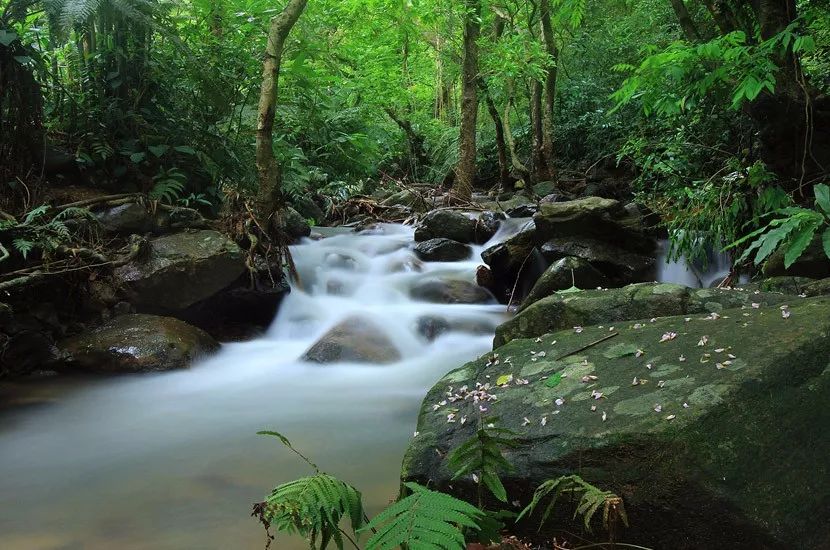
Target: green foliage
{"type": "Point", "coordinates": [42, 230]}
{"type": "Point", "coordinates": [424, 520]}
{"type": "Point", "coordinates": [313, 507]}
{"type": "Point", "coordinates": [792, 229]}
{"type": "Point", "coordinates": [591, 498]}
{"type": "Point", "coordinates": [481, 456]}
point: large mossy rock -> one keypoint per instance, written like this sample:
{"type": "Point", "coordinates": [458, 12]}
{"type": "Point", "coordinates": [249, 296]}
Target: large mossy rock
{"type": "Point", "coordinates": [125, 219]}
{"type": "Point", "coordinates": [812, 263]}
{"type": "Point", "coordinates": [714, 433]}
{"type": "Point", "coordinates": [354, 340]}
{"type": "Point", "coordinates": [563, 274]}
{"type": "Point", "coordinates": [442, 250]}
{"type": "Point", "coordinates": [182, 269]}
{"type": "Point", "coordinates": [407, 198]}
{"type": "Point", "coordinates": [137, 343]}
{"type": "Point", "coordinates": [618, 264]}
{"type": "Point", "coordinates": [451, 224]}
{"type": "Point", "coordinates": [639, 301]}
{"type": "Point", "coordinates": [451, 291]}
{"type": "Point", "coordinates": [604, 219]}
{"type": "Point", "coordinates": [294, 224]}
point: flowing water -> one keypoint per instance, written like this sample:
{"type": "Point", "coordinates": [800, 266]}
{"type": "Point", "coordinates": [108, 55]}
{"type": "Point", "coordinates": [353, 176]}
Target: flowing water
{"type": "Point", "coordinates": [171, 460]}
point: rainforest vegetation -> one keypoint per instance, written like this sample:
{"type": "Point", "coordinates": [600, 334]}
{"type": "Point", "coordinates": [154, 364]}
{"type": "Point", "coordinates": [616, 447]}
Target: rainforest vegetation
{"type": "Point", "coordinates": [169, 168]}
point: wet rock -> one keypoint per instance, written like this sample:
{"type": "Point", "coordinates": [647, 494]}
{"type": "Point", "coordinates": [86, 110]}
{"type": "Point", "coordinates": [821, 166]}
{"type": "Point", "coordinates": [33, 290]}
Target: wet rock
{"type": "Point", "coordinates": [592, 217]}
{"type": "Point", "coordinates": [812, 263]}
{"type": "Point", "coordinates": [618, 264]}
{"type": "Point", "coordinates": [691, 445]}
{"type": "Point", "coordinates": [125, 219]}
{"type": "Point", "coordinates": [137, 343]}
{"type": "Point", "coordinates": [294, 224]}
{"type": "Point", "coordinates": [442, 250]}
{"type": "Point", "coordinates": [309, 209]}
{"type": "Point", "coordinates": [354, 340]}
{"type": "Point", "coordinates": [182, 269]}
{"type": "Point", "coordinates": [639, 301]}
{"type": "Point", "coordinates": [544, 188]}
{"type": "Point", "coordinates": [431, 327]}
{"type": "Point", "coordinates": [407, 198]}
{"type": "Point", "coordinates": [488, 225]}
{"type": "Point", "coordinates": [563, 274]}
{"type": "Point", "coordinates": [522, 210]}
{"type": "Point", "coordinates": [510, 261]}
{"type": "Point", "coordinates": [27, 351]}
{"type": "Point", "coordinates": [451, 224]}
{"type": "Point", "coordinates": [451, 291]}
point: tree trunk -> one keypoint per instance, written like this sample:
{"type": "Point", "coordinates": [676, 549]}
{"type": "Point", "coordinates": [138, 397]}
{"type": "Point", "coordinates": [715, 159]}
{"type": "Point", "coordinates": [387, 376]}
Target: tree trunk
{"type": "Point", "coordinates": [501, 145]}
{"type": "Point", "coordinates": [466, 172]}
{"type": "Point", "coordinates": [685, 20]}
{"type": "Point", "coordinates": [268, 170]}
{"type": "Point", "coordinates": [515, 162]}
{"type": "Point", "coordinates": [549, 96]}
{"type": "Point", "coordinates": [540, 170]}
{"type": "Point", "coordinates": [414, 141]}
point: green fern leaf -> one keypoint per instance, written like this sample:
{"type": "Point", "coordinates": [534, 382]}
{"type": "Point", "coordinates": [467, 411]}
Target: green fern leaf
{"type": "Point", "coordinates": [424, 520]}
{"type": "Point", "coordinates": [482, 455]}
{"type": "Point", "coordinates": [24, 246]}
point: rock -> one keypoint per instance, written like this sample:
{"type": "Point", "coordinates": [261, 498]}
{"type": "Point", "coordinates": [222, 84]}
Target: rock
{"type": "Point", "coordinates": [544, 188]}
{"type": "Point", "coordinates": [640, 301]}
{"type": "Point", "coordinates": [564, 274]}
{"type": "Point", "coordinates": [354, 340]}
{"type": "Point", "coordinates": [182, 269]}
{"type": "Point", "coordinates": [704, 457]}
{"type": "Point", "coordinates": [309, 209]}
{"type": "Point", "coordinates": [488, 225]}
{"type": "Point", "coordinates": [138, 343]}
{"type": "Point", "coordinates": [27, 351]}
{"type": "Point", "coordinates": [522, 211]}
{"type": "Point", "coordinates": [818, 288]}
{"type": "Point", "coordinates": [433, 326]}
{"type": "Point", "coordinates": [812, 263]}
{"type": "Point", "coordinates": [294, 224]}
{"type": "Point", "coordinates": [442, 250]}
{"type": "Point", "coordinates": [450, 291]}
{"type": "Point", "coordinates": [592, 217]}
{"type": "Point", "coordinates": [125, 219]}
{"type": "Point", "coordinates": [408, 198]}
{"type": "Point", "coordinates": [785, 284]}
{"type": "Point", "coordinates": [510, 261]}
{"type": "Point", "coordinates": [616, 263]}
{"type": "Point", "coordinates": [448, 224]}
{"type": "Point", "coordinates": [505, 204]}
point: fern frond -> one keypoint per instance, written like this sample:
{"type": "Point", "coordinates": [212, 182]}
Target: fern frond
{"type": "Point", "coordinates": [482, 455]}
{"type": "Point", "coordinates": [592, 498]}
{"type": "Point", "coordinates": [313, 507]}
{"type": "Point", "coordinates": [424, 520]}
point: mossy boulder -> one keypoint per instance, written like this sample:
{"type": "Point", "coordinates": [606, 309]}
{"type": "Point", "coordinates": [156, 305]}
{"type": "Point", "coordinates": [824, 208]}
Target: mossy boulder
{"type": "Point", "coordinates": [812, 263]}
{"type": "Point", "coordinates": [451, 291]}
{"type": "Point", "coordinates": [563, 274]}
{"type": "Point", "coordinates": [639, 301]}
{"type": "Point", "coordinates": [618, 264]}
{"type": "Point", "coordinates": [137, 343]}
{"type": "Point", "coordinates": [408, 198]}
{"type": "Point", "coordinates": [455, 225]}
{"type": "Point", "coordinates": [442, 250]}
{"type": "Point", "coordinates": [353, 340]}
{"type": "Point", "coordinates": [711, 428]}
{"type": "Point", "coordinates": [180, 270]}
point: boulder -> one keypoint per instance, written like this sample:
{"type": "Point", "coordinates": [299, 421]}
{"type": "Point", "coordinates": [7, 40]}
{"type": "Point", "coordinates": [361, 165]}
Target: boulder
{"type": "Point", "coordinates": [407, 198]}
{"type": "Point", "coordinates": [564, 274]}
{"type": "Point", "coordinates": [618, 264]}
{"type": "Point", "coordinates": [137, 343]}
{"type": "Point", "coordinates": [309, 209]}
{"type": "Point", "coordinates": [294, 224]}
{"type": "Point", "coordinates": [818, 288]}
{"type": "Point", "coordinates": [354, 340]}
{"type": "Point", "coordinates": [181, 269]}
{"type": "Point", "coordinates": [544, 188]}
{"type": "Point", "coordinates": [433, 326]}
{"type": "Point", "coordinates": [812, 263]}
{"type": "Point", "coordinates": [442, 250]}
{"type": "Point", "coordinates": [603, 219]}
{"type": "Point", "coordinates": [451, 291]}
{"type": "Point", "coordinates": [513, 263]}
{"type": "Point", "coordinates": [720, 444]}
{"type": "Point", "coordinates": [125, 219]}
{"type": "Point", "coordinates": [448, 224]}
{"type": "Point", "coordinates": [522, 210]}
{"type": "Point", "coordinates": [645, 300]}
{"type": "Point", "coordinates": [488, 225]}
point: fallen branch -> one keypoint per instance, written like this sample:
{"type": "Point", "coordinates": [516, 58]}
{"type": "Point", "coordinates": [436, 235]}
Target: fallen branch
{"type": "Point", "coordinates": [586, 346]}
{"type": "Point", "coordinates": [103, 199]}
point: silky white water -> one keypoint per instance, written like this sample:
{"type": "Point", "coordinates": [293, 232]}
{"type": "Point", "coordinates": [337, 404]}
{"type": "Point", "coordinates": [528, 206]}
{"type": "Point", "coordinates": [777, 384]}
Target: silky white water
{"type": "Point", "coordinates": [171, 461]}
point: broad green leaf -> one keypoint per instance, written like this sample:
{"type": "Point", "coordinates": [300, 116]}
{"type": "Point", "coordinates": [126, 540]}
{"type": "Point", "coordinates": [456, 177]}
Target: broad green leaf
{"type": "Point", "coordinates": [503, 379]}
{"type": "Point", "coordinates": [822, 192]}
{"type": "Point", "coordinates": [825, 239]}
{"type": "Point", "coordinates": [7, 37]}
{"type": "Point", "coordinates": [553, 380]}
{"type": "Point", "coordinates": [185, 149]}
{"type": "Point", "coordinates": [137, 157]}
{"type": "Point", "coordinates": [158, 150]}
{"type": "Point", "coordinates": [799, 243]}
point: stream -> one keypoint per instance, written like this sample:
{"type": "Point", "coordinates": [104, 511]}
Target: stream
{"type": "Point", "coordinates": [171, 460]}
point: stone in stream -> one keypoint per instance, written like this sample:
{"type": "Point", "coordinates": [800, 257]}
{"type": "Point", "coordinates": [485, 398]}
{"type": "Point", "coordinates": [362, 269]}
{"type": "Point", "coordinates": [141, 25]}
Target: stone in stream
{"type": "Point", "coordinates": [563, 274]}
{"type": "Point", "coordinates": [812, 263]}
{"type": "Point", "coordinates": [181, 269]}
{"type": "Point", "coordinates": [137, 343]}
{"type": "Point", "coordinates": [457, 226]}
{"type": "Point", "coordinates": [618, 264]}
{"type": "Point", "coordinates": [294, 224]}
{"type": "Point", "coordinates": [442, 250]}
{"type": "Point", "coordinates": [592, 307]}
{"type": "Point", "coordinates": [433, 326]}
{"type": "Point", "coordinates": [711, 428]}
{"type": "Point", "coordinates": [125, 219]}
{"type": "Point", "coordinates": [451, 291]}
{"type": "Point", "coordinates": [353, 340]}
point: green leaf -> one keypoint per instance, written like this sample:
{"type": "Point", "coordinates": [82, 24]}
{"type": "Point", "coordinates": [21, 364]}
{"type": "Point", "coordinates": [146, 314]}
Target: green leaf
{"type": "Point", "coordinates": [7, 37]}
{"type": "Point", "coordinates": [185, 149]}
{"type": "Point", "coordinates": [799, 243]}
{"type": "Point", "coordinates": [503, 379]}
{"type": "Point", "coordinates": [158, 150]}
{"type": "Point", "coordinates": [553, 380]}
{"type": "Point", "coordinates": [278, 435]}
{"type": "Point", "coordinates": [825, 240]}
{"type": "Point", "coordinates": [137, 157]}
{"type": "Point", "coordinates": [620, 350]}
{"type": "Point", "coordinates": [822, 192]}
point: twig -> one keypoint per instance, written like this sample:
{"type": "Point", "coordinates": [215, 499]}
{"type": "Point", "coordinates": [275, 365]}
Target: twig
{"type": "Point", "coordinates": [97, 200]}
{"type": "Point", "coordinates": [583, 348]}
